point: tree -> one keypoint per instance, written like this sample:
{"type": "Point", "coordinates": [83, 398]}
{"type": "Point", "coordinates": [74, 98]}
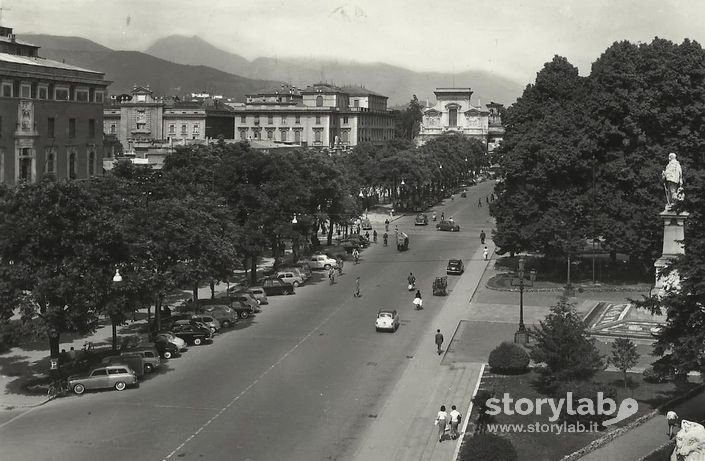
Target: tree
{"type": "Point", "coordinates": [565, 347]}
{"type": "Point", "coordinates": [409, 120]}
{"type": "Point", "coordinates": [624, 356]}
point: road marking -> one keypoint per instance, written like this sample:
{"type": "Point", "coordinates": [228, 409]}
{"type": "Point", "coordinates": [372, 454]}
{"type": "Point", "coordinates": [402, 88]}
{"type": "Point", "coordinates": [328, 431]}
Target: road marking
{"type": "Point", "coordinates": [252, 384]}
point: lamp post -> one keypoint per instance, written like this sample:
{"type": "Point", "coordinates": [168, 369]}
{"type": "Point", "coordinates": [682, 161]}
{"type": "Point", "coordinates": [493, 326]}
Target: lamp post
{"type": "Point", "coordinates": [522, 336]}
{"type": "Point", "coordinates": [117, 278]}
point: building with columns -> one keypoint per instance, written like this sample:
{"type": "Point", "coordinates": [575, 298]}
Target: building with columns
{"type": "Point", "coordinates": [51, 115]}
{"type": "Point", "coordinates": [455, 113]}
{"type": "Point", "coordinates": [321, 115]}
{"type": "Point", "coordinates": [149, 126]}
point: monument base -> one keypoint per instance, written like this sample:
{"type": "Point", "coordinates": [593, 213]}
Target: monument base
{"type": "Point", "coordinates": [673, 235]}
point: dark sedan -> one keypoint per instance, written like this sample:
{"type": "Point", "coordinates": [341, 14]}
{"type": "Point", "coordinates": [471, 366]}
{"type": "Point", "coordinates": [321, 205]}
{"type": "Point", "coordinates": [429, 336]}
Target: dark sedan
{"type": "Point", "coordinates": [448, 226]}
{"type": "Point", "coordinates": [276, 286]}
{"type": "Point", "coordinates": [192, 334]}
{"type": "Point", "coordinates": [421, 220]}
{"type": "Point", "coordinates": [455, 267]}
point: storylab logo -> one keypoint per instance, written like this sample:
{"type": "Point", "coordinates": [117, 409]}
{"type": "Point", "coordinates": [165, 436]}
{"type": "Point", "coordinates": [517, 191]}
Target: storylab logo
{"type": "Point", "coordinates": [602, 406]}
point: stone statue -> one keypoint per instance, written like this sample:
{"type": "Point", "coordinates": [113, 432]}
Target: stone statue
{"type": "Point", "coordinates": [673, 177]}
{"type": "Point", "coordinates": [690, 442]}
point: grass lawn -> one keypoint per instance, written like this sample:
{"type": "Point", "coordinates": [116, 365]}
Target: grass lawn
{"type": "Point", "coordinates": [552, 446]}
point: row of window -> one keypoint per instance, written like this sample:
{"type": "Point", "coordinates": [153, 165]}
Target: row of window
{"type": "Point", "coordinates": [11, 89]}
{"type": "Point", "coordinates": [195, 128]}
{"type": "Point", "coordinates": [71, 127]}
{"type": "Point", "coordinates": [297, 120]}
{"type": "Point", "coordinates": [27, 163]}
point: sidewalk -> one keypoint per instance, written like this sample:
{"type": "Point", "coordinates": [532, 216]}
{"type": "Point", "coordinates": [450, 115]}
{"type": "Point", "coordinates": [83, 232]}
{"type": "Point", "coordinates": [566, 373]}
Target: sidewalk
{"type": "Point", "coordinates": [647, 437]}
{"type": "Point", "coordinates": [31, 361]}
{"type": "Point", "coordinates": [404, 429]}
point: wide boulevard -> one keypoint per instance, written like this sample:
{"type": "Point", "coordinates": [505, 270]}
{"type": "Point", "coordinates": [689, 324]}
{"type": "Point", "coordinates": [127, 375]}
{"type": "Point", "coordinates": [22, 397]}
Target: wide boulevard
{"type": "Point", "coordinates": [300, 381]}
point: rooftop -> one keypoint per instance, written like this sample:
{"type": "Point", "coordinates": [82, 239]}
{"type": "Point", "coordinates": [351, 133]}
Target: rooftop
{"type": "Point", "coordinates": [42, 62]}
{"type": "Point", "coordinates": [359, 91]}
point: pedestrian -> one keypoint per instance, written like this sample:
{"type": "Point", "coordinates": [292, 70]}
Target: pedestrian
{"type": "Point", "coordinates": [482, 236]}
{"type": "Point", "coordinates": [487, 199]}
{"type": "Point", "coordinates": [367, 236]}
{"type": "Point", "coordinates": [439, 341]}
{"type": "Point", "coordinates": [412, 281]}
{"type": "Point", "coordinates": [386, 225]}
{"type": "Point", "coordinates": [672, 419]}
{"type": "Point", "coordinates": [357, 288]}
{"type": "Point", "coordinates": [443, 216]}
{"type": "Point", "coordinates": [479, 203]}
{"type": "Point", "coordinates": [418, 302]}
{"type": "Point", "coordinates": [451, 220]}
{"type": "Point", "coordinates": [454, 422]}
{"type": "Point", "coordinates": [485, 253]}
{"type": "Point", "coordinates": [442, 422]}
{"type": "Point", "coordinates": [491, 197]}
{"type": "Point", "coordinates": [374, 235]}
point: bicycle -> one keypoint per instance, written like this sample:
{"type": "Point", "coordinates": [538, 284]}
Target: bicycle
{"type": "Point", "coordinates": [58, 388]}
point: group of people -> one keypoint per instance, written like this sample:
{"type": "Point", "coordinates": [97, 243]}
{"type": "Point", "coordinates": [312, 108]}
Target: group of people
{"type": "Point", "coordinates": [448, 422]}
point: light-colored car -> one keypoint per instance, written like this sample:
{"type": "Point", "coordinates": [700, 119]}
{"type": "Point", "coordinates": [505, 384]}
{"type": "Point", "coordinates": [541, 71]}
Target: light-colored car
{"type": "Point", "coordinates": [297, 270]}
{"type": "Point", "coordinates": [170, 337]}
{"type": "Point", "coordinates": [291, 277]}
{"type": "Point", "coordinates": [321, 262]}
{"type": "Point", "coordinates": [224, 314]}
{"type": "Point", "coordinates": [387, 319]}
{"type": "Point", "coordinates": [149, 355]}
{"type": "Point", "coordinates": [104, 377]}
{"type": "Point", "coordinates": [259, 294]}
{"type": "Point", "coordinates": [209, 321]}
{"type": "Point", "coordinates": [245, 297]}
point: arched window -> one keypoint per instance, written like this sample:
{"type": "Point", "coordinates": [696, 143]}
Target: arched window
{"type": "Point", "coordinates": [72, 165]}
{"type": "Point", "coordinates": [91, 163]}
{"type": "Point", "coordinates": [319, 101]}
{"type": "Point", "coordinates": [51, 162]}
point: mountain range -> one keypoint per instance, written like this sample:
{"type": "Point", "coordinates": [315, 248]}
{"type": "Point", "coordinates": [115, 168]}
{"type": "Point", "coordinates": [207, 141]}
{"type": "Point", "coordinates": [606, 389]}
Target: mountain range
{"type": "Point", "coordinates": [177, 65]}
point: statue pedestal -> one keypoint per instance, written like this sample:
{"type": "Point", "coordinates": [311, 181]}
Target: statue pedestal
{"type": "Point", "coordinates": [673, 235]}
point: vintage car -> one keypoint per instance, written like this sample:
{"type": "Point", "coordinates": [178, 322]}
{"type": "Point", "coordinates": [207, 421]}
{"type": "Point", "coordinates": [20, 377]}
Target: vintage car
{"type": "Point", "coordinates": [387, 319]}
{"type": "Point", "coordinates": [448, 226]}
{"type": "Point", "coordinates": [455, 267]}
{"type": "Point", "coordinates": [116, 376]}
{"type": "Point", "coordinates": [421, 220]}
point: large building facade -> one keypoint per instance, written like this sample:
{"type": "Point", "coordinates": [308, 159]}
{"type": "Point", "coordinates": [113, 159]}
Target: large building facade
{"type": "Point", "coordinates": [148, 126]}
{"type": "Point", "coordinates": [320, 115]}
{"type": "Point", "coordinates": [454, 113]}
{"type": "Point", "coordinates": [51, 115]}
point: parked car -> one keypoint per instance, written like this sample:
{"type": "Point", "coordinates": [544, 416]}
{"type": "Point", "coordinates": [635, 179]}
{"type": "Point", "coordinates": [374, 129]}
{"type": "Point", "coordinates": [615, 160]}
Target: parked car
{"type": "Point", "coordinates": [103, 377]}
{"type": "Point", "coordinates": [387, 319]}
{"type": "Point", "coordinates": [366, 224]}
{"type": "Point", "coordinates": [447, 226]}
{"type": "Point", "coordinates": [349, 245]}
{"type": "Point", "coordinates": [167, 349]}
{"type": "Point", "coordinates": [359, 239]}
{"type": "Point", "coordinates": [173, 339]}
{"type": "Point", "coordinates": [192, 334]}
{"type": "Point", "coordinates": [297, 270]}
{"type": "Point", "coordinates": [274, 286]}
{"type": "Point", "coordinates": [149, 354]}
{"type": "Point", "coordinates": [421, 220]}
{"type": "Point", "coordinates": [209, 321]}
{"type": "Point", "coordinates": [320, 262]}
{"type": "Point", "coordinates": [305, 268]}
{"type": "Point", "coordinates": [455, 267]}
{"type": "Point", "coordinates": [246, 298]}
{"type": "Point", "coordinates": [134, 363]}
{"type": "Point", "coordinates": [226, 315]}
{"type": "Point", "coordinates": [259, 294]}
{"type": "Point", "coordinates": [290, 277]}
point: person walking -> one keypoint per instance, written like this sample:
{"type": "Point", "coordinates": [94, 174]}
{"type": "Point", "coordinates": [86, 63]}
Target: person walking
{"type": "Point", "coordinates": [487, 199]}
{"type": "Point", "coordinates": [442, 422]}
{"type": "Point", "coordinates": [386, 225]}
{"type": "Point", "coordinates": [439, 341]}
{"type": "Point", "coordinates": [385, 237]}
{"type": "Point", "coordinates": [412, 281]}
{"type": "Point", "coordinates": [482, 237]}
{"type": "Point", "coordinates": [672, 419]}
{"type": "Point", "coordinates": [454, 422]}
{"type": "Point", "coordinates": [357, 288]}
{"type": "Point", "coordinates": [485, 253]}
{"type": "Point", "coordinates": [479, 203]}
{"type": "Point", "coordinates": [374, 235]}
{"type": "Point", "coordinates": [443, 216]}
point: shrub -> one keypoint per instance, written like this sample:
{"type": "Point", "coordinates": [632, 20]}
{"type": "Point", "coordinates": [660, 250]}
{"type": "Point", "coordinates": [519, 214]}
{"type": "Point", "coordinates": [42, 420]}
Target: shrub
{"type": "Point", "coordinates": [487, 447]}
{"type": "Point", "coordinates": [585, 390]}
{"type": "Point", "coordinates": [656, 375]}
{"type": "Point", "coordinates": [509, 358]}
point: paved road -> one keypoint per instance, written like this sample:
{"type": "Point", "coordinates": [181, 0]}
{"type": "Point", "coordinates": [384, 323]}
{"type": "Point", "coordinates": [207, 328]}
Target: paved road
{"type": "Point", "coordinates": [301, 381]}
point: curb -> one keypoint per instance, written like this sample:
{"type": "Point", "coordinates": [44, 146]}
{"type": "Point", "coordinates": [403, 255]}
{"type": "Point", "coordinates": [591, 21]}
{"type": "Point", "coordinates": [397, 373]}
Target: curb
{"type": "Point", "coordinates": [607, 438]}
{"type": "Point", "coordinates": [461, 440]}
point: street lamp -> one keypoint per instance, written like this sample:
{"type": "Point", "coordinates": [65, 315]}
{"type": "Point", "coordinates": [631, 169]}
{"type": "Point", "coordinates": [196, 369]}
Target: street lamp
{"type": "Point", "coordinates": [522, 336]}
{"type": "Point", "coordinates": [117, 278]}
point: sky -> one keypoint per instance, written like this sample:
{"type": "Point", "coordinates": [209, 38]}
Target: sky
{"type": "Point", "coordinates": [512, 38]}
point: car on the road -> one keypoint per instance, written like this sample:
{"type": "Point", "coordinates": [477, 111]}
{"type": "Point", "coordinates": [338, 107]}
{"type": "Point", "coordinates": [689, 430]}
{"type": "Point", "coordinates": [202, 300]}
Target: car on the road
{"type": "Point", "coordinates": [259, 294]}
{"type": "Point", "coordinates": [448, 226]}
{"type": "Point", "coordinates": [226, 315]}
{"type": "Point", "coordinates": [192, 334]}
{"type": "Point", "coordinates": [387, 319]}
{"type": "Point", "coordinates": [463, 194]}
{"type": "Point", "coordinates": [421, 220]}
{"type": "Point", "coordinates": [455, 267]}
{"type": "Point", "coordinates": [291, 277]}
{"type": "Point", "coordinates": [319, 261]}
{"type": "Point", "coordinates": [366, 224]}
{"type": "Point", "coordinates": [275, 286]}
{"type": "Point", "coordinates": [104, 377]}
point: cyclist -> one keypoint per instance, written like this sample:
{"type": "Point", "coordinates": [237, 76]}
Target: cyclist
{"type": "Point", "coordinates": [374, 236]}
{"type": "Point", "coordinates": [340, 265]}
{"type": "Point", "coordinates": [356, 256]}
{"type": "Point", "coordinates": [331, 275]}
{"type": "Point", "coordinates": [367, 236]}
{"type": "Point", "coordinates": [412, 281]}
